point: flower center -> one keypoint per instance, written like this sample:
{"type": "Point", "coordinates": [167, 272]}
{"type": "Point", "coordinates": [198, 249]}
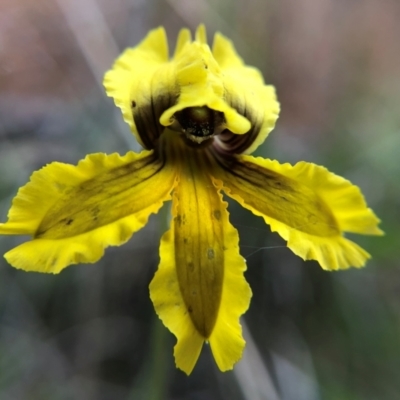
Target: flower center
{"type": "Point", "coordinates": [200, 123]}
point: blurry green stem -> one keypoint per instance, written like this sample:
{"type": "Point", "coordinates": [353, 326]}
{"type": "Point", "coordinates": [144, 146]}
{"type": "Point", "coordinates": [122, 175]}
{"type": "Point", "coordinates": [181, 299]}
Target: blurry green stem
{"type": "Point", "coordinates": [158, 373]}
{"type": "Point", "coordinates": [154, 379]}
{"type": "Point", "coordinates": [159, 335]}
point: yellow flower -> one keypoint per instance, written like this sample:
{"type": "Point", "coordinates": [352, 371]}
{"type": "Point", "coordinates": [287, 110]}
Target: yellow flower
{"type": "Point", "coordinates": [198, 115]}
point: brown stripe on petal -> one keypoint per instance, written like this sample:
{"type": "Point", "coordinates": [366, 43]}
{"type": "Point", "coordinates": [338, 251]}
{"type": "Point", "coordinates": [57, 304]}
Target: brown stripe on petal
{"type": "Point", "coordinates": [228, 142]}
{"type": "Point", "coordinates": [147, 118]}
{"type": "Point", "coordinates": [199, 240]}
{"type": "Point", "coordinates": [283, 198]}
{"type": "Point", "coordinates": [101, 200]}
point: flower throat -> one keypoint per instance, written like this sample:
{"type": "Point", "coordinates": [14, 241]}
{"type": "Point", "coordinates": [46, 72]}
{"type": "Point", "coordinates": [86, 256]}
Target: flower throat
{"type": "Point", "coordinates": [200, 123]}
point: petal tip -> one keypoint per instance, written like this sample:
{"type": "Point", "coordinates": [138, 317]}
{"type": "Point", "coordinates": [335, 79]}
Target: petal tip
{"type": "Point", "coordinates": [201, 34]}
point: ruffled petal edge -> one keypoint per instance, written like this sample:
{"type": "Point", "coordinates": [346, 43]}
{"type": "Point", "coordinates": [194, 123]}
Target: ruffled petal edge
{"type": "Point", "coordinates": [344, 200]}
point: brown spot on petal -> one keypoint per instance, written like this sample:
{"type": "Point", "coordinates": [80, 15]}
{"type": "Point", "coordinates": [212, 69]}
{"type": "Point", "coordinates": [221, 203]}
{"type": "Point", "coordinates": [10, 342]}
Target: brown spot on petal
{"type": "Point", "coordinates": [217, 214]}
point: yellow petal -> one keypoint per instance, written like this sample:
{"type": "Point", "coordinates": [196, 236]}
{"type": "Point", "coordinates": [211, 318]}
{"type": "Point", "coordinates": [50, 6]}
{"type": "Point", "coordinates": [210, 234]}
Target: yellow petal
{"type": "Point", "coordinates": [199, 82]}
{"type": "Point", "coordinates": [141, 86]}
{"type": "Point", "coordinates": [149, 89]}
{"type": "Point", "coordinates": [246, 92]}
{"type": "Point", "coordinates": [74, 212]}
{"type": "Point", "coordinates": [201, 34]}
{"type": "Point", "coordinates": [307, 205]}
{"type": "Point", "coordinates": [184, 38]}
{"type": "Point", "coordinates": [171, 308]}
{"type": "Point", "coordinates": [199, 291]}
{"type": "Point", "coordinates": [226, 56]}
{"type": "Point", "coordinates": [226, 340]}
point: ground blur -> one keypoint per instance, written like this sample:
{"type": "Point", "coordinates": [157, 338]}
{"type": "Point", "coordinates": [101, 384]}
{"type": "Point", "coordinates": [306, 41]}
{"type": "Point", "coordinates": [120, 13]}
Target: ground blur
{"type": "Point", "coordinates": [90, 332]}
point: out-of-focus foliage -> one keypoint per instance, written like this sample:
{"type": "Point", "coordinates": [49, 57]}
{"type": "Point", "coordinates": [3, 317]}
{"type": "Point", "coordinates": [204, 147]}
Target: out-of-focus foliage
{"type": "Point", "coordinates": [91, 332]}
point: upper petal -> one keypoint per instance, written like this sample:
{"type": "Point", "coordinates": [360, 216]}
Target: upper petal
{"type": "Point", "coordinates": [307, 205]}
{"type": "Point", "coordinates": [74, 212]}
{"type": "Point", "coordinates": [247, 93]}
{"type": "Point", "coordinates": [150, 90]}
{"type": "Point", "coordinates": [199, 82]}
{"type": "Point", "coordinates": [220, 81]}
{"type": "Point", "coordinates": [142, 87]}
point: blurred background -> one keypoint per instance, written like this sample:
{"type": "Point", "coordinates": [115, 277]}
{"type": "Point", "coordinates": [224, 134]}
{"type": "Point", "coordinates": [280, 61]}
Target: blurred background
{"type": "Point", "coordinates": [91, 332]}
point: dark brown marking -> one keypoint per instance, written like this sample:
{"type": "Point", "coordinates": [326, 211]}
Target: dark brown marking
{"type": "Point", "coordinates": [178, 219]}
{"type": "Point", "coordinates": [217, 214]}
